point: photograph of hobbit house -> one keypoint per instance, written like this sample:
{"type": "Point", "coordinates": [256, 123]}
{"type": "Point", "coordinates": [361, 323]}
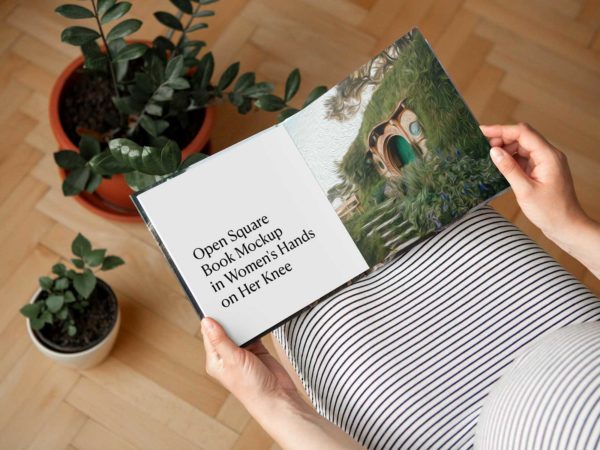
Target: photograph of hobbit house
{"type": "Point", "coordinates": [419, 160]}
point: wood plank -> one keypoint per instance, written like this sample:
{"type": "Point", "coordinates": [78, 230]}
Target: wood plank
{"type": "Point", "coordinates": [60, 429]}
{"type": "Point", "coordinates": [17, 383]}
{"type": "Point", "coordinates": [93, 436]}
{"type": "Point", "coordinates": [123, 418]}
{"type": "Point", "coordinates": [482, 87]}
{"type": "Point", "coordinates": [161, 405]}
{"type": "Point", "coordinates": [38, 407]}
{"type": "Point", "coordinates": [543, 35]}
{"type": "Point", "coordinates": [198, 390]}
{"type": "Point", "coordinates": [233, 414]}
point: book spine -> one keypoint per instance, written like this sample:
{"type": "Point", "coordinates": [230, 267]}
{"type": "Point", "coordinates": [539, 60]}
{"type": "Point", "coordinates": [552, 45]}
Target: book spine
{"type": "Point", "coordinates": [167, 255]}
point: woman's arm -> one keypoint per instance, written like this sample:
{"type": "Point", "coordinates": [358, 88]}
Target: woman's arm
{"type": "Point", "coordinates": [263, 386]}
{"type": "Point", "coordinates": [540, 178]}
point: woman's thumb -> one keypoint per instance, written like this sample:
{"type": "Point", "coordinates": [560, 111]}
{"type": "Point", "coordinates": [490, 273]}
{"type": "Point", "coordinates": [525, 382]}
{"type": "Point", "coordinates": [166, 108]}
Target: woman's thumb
{"type": "Point", "coordinates": [217, 344]}
{"type": "Point", "coordinates": [508, 166]}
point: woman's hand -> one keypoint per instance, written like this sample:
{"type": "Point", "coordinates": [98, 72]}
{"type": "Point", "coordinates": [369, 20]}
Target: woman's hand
{"type": "Point", "coordinates": [540, 178]}
{"type": "Point", "coordinates": [264, 387]}
{"type": "Point", "coordinates": [251, 373]}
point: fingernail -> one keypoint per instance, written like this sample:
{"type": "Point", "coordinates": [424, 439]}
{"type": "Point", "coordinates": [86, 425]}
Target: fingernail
{"type": "Point", "coordinates": [496, 154]}
{"type": "Point", "coordinates": [207, 325]}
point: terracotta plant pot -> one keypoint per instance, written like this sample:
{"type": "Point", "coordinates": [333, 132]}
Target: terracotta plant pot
{"type": "Point", "coordinates": [111, 198]}
{"type": "Point", "coordinates": [84, 357]}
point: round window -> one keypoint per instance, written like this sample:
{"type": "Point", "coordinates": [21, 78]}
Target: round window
{"type": "Point", "coordinates": [415, 128]}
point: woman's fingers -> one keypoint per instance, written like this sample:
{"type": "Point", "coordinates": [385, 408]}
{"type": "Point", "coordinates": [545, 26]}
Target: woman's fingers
{"type": "Point", "coordinates": [511, 169]}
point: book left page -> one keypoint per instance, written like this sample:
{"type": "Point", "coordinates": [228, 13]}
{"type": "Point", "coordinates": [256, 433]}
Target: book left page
{"type": "Point", "coordinates": [251, 235]}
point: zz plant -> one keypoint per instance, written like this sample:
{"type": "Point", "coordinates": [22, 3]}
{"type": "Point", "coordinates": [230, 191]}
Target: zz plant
{"type": "Point", "coordinates": [154, 87]}
{"type": "Point", "coordinates": [69, 290]}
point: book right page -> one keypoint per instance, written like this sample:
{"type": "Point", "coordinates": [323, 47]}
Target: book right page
{"type": "Point", "coordinates": [396, 149]}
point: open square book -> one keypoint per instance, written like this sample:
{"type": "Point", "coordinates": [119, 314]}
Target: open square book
{"type": "Point", "coordinates": [263, 229]}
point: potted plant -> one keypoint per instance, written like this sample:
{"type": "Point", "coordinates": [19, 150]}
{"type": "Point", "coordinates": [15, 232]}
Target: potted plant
{"type": "Point", "coordinates": [73, 318]}
{"type": "Point", "coordinates": [151, 101]}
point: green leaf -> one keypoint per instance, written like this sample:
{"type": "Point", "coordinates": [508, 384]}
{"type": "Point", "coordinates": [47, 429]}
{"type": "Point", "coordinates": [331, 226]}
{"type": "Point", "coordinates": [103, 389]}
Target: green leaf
{"type": "Point", "coordinates": [71, 273]}
{"type": "Point", "coordinates": [228, 76]}
{"type": "Point", "coordinates": [259, 89]}
{"type": "Point", "coordinates": [126, 105]}
{"type": "Point", "coordinates": [63, 313]}
{"type": "Point", "coordinates": [68, 159]}
{"type": "Point", "coordinates": [31, 310]}
{"type": "Point", "coordinates": [178, 83]}
{"type": "Point", "coordinates": [175, 68]}
{"type": "Point", "coordinates": [93, 182]}
{"type": "Point", "coordinates": [116, 12]}
{"type": "Point", "coordinates": [71, 330]}
{"type": "Point", "coordinates": [153, 127]}
{"type": "Point", "coordinates": [148, 160]}
{"type": "Point", "coordinates": [123, 29]}
{"type": "Point", "coordinates": [203, 13]}
{"type": "Point", "coordinates": [76, 181]}
{"type": "Point", "coordinates": [37, 323]}
{"type": "Point", "coordinates": [61, 284]}
{"type": "Point", "coordinates": [45, 283]}
{"type": "Point", "coordinates": [103, 6]}
{"type": "Point", "coordinates": [270, 102]}
{"type": "Point", "coordinates": [88, 147]}
{"type": "Point", "coordinates": [95, 257]}
{"type": "Point", "coordinates": [54, 303]}
{"type": "Point", "coordinates": [59, 269]}
{"type": "Point", "coordinates": [207, 2]}
{"type": "Point", "coordinates": [84, 283]}
{"type": "Point", "coordinates": [244, 81]}
{"type": "Point", "coordinates": [163, 44]}
{"type": "Point", "coordinates": [131, 51]}
{"type": "Point", "coordinates": [196, 27]}
{"type": "Point", "coordinates": [246, 106]}
{"type": "Point", "coordinates": [46, 317]}
{"type": "Point", "coordinates": [78, 35]}
{"type": "Point", "coordinates": [69, 297]}
{"type": "Point", "coordinates": [81, 246]}
{"type": "Point", "coordinates": [153, 109]}
{"type": "Point", "coordinates": [94, 58]}
{"type": "Point", "coordinates": [205, 69]}
{"type": "Point", "coordinates": [111, 261]}
{"type": "Point", "coordinates": [191, 48]}
{"type": "Point", "coordinates": [169, 20]}
{"type": "Point", "coordinates": [106, 164]}
{"type": "Point", "coordinates": [192, 159]}
{"type": "Point", "coordinates": [314, 94]}
{"type": "Point", "coordinates": [138, 180]}
{"type": "Point", "coordinates": [163, 93]}
{"type": "Point", "coordinates": [74, 12]}
{"type": "Point", "coordinates": [286, 113]}
{"type": "Point", "coordinates": [77, 263]}
{"type": "Point", "coordinates": [292, 84]}
{"type": "Point", "coordinates": [183, 5]}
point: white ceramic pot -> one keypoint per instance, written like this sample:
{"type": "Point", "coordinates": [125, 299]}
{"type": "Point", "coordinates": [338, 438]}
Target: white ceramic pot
{"type": "Point", "coordinates": [85, 359]}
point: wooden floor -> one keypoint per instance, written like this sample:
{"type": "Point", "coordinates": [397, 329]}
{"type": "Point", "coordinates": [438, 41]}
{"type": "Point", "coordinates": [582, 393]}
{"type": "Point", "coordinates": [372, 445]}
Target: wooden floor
{"type": "Point", "coordinates": [514, 60]}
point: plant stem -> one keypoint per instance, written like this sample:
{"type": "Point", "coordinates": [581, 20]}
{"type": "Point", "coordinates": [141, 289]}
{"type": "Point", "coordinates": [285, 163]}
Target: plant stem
{"type": "Point", "coordinates": [184, 32]}
{"type": "Point", "coordinates": [108, 54]}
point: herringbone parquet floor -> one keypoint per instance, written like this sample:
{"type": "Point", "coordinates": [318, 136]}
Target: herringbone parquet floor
{"type": "Point", "coordinates": [514, 60]}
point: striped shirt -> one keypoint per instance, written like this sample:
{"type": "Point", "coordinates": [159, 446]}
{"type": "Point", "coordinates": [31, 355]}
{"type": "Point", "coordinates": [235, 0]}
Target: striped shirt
{"type": "Point", "coordinates": [405, 357]}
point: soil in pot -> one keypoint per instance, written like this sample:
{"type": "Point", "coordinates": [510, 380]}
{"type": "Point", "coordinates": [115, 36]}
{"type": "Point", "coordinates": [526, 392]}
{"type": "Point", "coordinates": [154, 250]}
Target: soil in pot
{"type": "Point", "coordinates": [93, 324]}
{"type": "Point", "coordinates": [86, 103]}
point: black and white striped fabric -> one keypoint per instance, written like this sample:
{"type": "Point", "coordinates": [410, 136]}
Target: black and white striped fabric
{"type": "Point", "coordinates": [405, 357]}
{"type": "Point", "coordinates": [549, 397]}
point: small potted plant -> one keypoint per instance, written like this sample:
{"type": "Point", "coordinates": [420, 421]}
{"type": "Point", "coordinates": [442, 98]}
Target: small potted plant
{"type": "Point", "coordinates": [73, 318]}
{"type": "Point", "coordinates": [152, 101]}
